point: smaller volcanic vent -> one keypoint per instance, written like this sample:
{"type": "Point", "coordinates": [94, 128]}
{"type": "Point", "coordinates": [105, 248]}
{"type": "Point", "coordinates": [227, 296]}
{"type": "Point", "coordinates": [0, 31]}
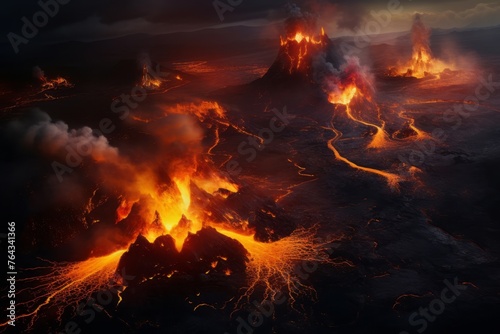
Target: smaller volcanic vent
{"type": "Point", "coordinates": [148, 80]}
{"type": "Point", "coordinates": [50, 84]}
{"type": "Point", "coordinates": [156, 78]}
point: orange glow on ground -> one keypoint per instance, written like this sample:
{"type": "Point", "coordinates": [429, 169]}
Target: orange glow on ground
{"type": "Point", "coordinates": [345, 97]}
{"type": "Point", "coordinates": [392, 179]}
{"type": "Point", "coordinates": [273, 266]}
{"type": "Point", "coordinates": [66, 284]}
{"type": "Point", "coordinates": [48, 84]}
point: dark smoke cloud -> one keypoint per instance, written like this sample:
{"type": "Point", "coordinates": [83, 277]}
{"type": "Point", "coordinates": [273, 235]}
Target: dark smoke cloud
{"type": "Point", "coordinates": [299, 20]}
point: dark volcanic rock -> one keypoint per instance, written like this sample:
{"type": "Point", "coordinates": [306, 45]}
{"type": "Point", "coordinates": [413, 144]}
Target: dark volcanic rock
{"type": "Point", "coordinates": [208, 250]}
{"type": "Point", "coordinates": [205, 253]}
{"type": "Point", "coordinates": [145, 259]}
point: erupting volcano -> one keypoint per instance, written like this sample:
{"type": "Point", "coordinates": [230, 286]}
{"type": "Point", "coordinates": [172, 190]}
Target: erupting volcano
{"type": "Point", "coordinates": [187, 219]}
{"type": "Point", "coordinates": [422, 62]}
{"type": "Point", "coordinates": [302, 46]}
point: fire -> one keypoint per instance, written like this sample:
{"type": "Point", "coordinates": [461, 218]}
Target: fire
{"type": "Point", "coordinates": [422, 62]}
{"type": "Point", "coordinates": [202, 110]}
{"type": "Point", "coordinates": [173, 197]}
{"type": "Point", "coordinates": [124, 209]}
{"type": "Point", "coordinates": [173, 203]}
{"type": "Point", "coordinates": [298, 46]}
{"type": "Point", "coordinates": [299, 37]}
{"type": "Point", "coordinates": [55, 83]}
{"type": "Point", "coordinates": [148, 81]}
{"type": "Point", "coordinates": [344, 96]}
{"type": "Point", "coordinates": [49, 84]}
{"type": "Point", "coordinates": [356, 87]}
{"type": "Point", "coordinates": [178, 209]}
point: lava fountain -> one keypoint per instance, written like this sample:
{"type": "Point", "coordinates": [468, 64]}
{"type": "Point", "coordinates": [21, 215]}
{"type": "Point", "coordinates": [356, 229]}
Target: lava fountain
{"type": "Point", "coordinates": [422, 62]}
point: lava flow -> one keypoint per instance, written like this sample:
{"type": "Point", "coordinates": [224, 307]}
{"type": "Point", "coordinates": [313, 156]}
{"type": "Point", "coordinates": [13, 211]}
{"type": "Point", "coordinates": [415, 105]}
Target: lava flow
{"type": "Point", "coordinates": [297, 49]}
{"type": "Point", "coordinates": [354, 86]}
{"type": "Point", "coordinates": [312, 60]}
{"type": "Point", "coordinates": [183, 208]}
{"type": "Point", "coordinates": [392, 179]}
{"type": "Point", "coordinates": [354, 89]}
{"type": "Point", "coordinates": [60, 285]}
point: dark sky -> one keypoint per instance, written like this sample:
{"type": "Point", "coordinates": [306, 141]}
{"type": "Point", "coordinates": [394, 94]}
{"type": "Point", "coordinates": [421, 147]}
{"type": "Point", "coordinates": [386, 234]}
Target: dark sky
{"type": "Point", "coordinates": [99, 19]}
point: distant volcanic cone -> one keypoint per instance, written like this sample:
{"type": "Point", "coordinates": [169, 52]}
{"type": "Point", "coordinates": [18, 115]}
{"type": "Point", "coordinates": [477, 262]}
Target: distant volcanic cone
{"type": "Point", "coordinates": [301, 49]}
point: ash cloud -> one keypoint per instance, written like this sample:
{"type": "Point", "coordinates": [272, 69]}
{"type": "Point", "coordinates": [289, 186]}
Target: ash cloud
{"type": "Point", "coordinates": [351, 72]}
{"type": "Point", "coordinates": [299, 20]}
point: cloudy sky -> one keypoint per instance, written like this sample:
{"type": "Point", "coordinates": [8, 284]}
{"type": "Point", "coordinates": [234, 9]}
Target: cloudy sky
{"type": "Point", "coordinates": [101, 19]}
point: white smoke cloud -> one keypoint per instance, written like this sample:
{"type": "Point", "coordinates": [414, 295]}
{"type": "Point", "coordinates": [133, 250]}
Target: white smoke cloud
{"type": "Point", "coordinates": [55, 138]}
